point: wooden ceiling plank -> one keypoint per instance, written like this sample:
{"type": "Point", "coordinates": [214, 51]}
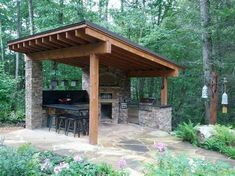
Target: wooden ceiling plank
{"type": "Point", "coordinates": [71, 36]}
{"type": "Point", "coordinates": [129, 48]}
{"type": "Point", "coordinates": [110, 62]}
{"type": "Point", "coordinates": [25, 45]}
{"type": "Point", "coordinates": [124, 63]}
{"type": "Point", "coordinates": [63, 39]}
{"type": "Point", "coordinates": [55, 41]}
{"type": "Point", "coordinates": [81, 34]}
{"type": "Point", "coordinates": [132, 61]}
{"type": "Point", "coordinates": [46, 41]}
{"type": "Point", "coordinates": [107, 64]}
{"type": "Point", "coordinates": [136, 58]}
{"type": "Point", "coordinates": [33, 45]}
{"type": "Point", "coordinates": [38, 42]}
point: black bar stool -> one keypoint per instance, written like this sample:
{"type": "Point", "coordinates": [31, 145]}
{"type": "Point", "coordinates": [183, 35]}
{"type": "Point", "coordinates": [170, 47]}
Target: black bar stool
{"type": "Point", "coordinates": [51, 120]}
{"type": "Point", "coordinates": [62, 120]}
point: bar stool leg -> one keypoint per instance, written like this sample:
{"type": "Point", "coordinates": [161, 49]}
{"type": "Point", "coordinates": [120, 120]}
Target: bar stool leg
{"type": "Point", "coordinates": [60, 123]}
{"type": "Point", "coordinates": [74, 128]}
{"type": "Point", "coordinates": [68, 127]}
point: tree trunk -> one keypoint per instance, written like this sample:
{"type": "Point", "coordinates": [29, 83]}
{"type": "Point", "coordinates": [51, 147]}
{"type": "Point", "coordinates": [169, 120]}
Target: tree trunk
{"type": "Point", "coordinates": [1, 42]}
{"type": "Point", "coordinates": [18, 35]}
{"type": "Point", "coordinates": [31, 22]}
{"type": "Point", "coordinates": [61, 12]}
{"type": "Point", "coordinates": [206, 51]}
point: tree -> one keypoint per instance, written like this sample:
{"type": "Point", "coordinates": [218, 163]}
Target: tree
{"type": "Point", "coordinates": [207, 54]}
{"type": "Point", "coordinates": [18, 35]}
{"type": "Point", "coordinates": [1, 42]}
{"type": "Point", "coordinates": [31, 20]}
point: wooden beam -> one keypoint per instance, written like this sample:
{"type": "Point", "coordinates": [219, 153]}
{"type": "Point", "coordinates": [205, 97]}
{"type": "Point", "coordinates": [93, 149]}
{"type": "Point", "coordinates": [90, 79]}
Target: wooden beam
{"type": "Point", "coordinates": [62, 38]}
{"type": "Point", "coordinates": [71, 36]}
{"type": "Point", "coordinates": [49, 34]}
{"type": "Point", "coordinates": [77, 51]}
{"type": "Point", "coordinates": [164, 91]}
{"type": "Point", "coordinates": [53, 39]}
{"type": "Point", "coordinates": [38, 42]}
{"type": "Point", "coordinates": [81, 34]}
{"type": "Point", "coordinates": [94, 100]}
{"type": "Point", "coordinates": [32, 43]}
{"type": "Point", "coordinates": [152, 73]}
{"type": "Point", "coordinates": [129, 48]}
{"type": "Point", "coordinates": [45, 41]}
{"type": "Point", "coordinates": [25, 45]}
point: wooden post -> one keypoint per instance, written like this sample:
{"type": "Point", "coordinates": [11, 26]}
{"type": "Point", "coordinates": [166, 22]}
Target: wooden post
{"type": "Point", "coordinates": [164, 91]}
{"type": "Point", "coordinates": [214, 98]}
{"type": "Point", "coordinates": [94, 99]}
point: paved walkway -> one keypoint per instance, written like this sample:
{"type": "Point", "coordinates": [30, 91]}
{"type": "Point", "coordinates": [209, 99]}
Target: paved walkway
{"type": "Point", "coordinates": [128, 141]}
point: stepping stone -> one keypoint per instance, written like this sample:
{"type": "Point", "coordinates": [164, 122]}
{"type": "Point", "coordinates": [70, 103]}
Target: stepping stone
{"type": "Point", "coordinates": [136, 148]}
{"type": "Point", "coordinates": [130, 141]}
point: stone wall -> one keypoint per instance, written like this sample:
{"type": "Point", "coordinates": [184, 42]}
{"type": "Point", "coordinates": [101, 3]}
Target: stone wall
{"type": "Point", "coordinates": [120, 90]}
{"type": "Point", "coordinates": [33, 93]}
{"type": "Point", "coordinates": [156, 117]}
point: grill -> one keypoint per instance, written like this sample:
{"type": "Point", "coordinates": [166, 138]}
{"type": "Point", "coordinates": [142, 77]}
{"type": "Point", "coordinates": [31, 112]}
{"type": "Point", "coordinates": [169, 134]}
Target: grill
{"type": "Point", "coordinates": [147, 103]}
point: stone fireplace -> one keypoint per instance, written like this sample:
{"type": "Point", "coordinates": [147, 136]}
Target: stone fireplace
{"type": "Point", "coordinates": [114, 92]}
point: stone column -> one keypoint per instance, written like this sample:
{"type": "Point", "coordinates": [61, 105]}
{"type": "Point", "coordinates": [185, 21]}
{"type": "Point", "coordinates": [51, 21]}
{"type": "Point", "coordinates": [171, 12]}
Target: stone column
{"type": "Point", "coordinates": [33, 93]}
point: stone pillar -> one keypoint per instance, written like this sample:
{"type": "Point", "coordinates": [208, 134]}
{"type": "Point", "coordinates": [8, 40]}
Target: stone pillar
{"type": "Point", "coordinates": [86, 79]}
{"type": "Point", "coordinates": [33, 93]}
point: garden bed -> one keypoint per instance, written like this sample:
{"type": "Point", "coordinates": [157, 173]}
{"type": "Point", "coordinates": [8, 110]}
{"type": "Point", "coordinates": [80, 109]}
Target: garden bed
{"type": "Point", "coordinates": [28, 161]}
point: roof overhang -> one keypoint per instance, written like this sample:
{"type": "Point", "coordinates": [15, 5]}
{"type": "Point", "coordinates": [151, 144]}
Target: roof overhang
{"type": "Point", "coordinates": [73, 44]}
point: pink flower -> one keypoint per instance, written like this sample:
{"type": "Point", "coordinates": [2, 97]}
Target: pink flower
{"type": "Point", "coordinates": [122, 163]}
{"type": "Point", "coordinates": [78, 158]}
{"type": "Point", "coordinates": [60, 167]}
{"type": "Point", "coordinates": [161, 147]}
{"type": "Point", "coordinates": [57, 170]}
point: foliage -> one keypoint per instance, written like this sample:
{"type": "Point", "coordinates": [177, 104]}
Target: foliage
{"type": "Point", "coordinates": [27, 161]}
{"type": "Point", "coordinates": [187, 132]}
{"type": "Point", "coordinates": [169, 165]}
{"type": "Point", "coordinates": [9, 112]}
{"type": "Point", "coordinates": [223, 141]}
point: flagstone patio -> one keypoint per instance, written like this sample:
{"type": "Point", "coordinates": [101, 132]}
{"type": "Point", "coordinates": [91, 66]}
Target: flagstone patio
{"type": "Point", "coordinates": [128, 141]}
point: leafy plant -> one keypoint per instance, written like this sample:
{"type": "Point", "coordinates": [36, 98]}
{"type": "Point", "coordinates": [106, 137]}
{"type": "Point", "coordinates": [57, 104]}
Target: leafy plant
{"type": "Point", "coordinates": [187, 132]}
{"type": "Point", "coordinates": [27, 161]}
{"type": "Point", "coordinates": [169, 165]}
{"type": "Point", "coordinates": [222, 141]}
{"type": "Point", "coordinates": [225, 134]}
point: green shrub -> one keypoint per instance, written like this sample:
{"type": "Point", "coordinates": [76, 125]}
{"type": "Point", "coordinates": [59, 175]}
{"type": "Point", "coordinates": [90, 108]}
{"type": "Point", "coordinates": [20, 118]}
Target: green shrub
{"type": "Point", "coordinates": [225, 134]}
{"type": "Point", "coordinates": [27, 161]}
{"type": "Point", "coordinates": [19, 162]}
{"type": "Point", "coordinates": [169, 165]}
{"type": "Point", "coordinates": [223, 141]}
{"type": "Point", "coordinates": [187, 132]}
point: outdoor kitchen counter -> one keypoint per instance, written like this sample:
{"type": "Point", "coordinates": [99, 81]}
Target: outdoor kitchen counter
{"type": "Point", "coordinates": [155, 116]}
